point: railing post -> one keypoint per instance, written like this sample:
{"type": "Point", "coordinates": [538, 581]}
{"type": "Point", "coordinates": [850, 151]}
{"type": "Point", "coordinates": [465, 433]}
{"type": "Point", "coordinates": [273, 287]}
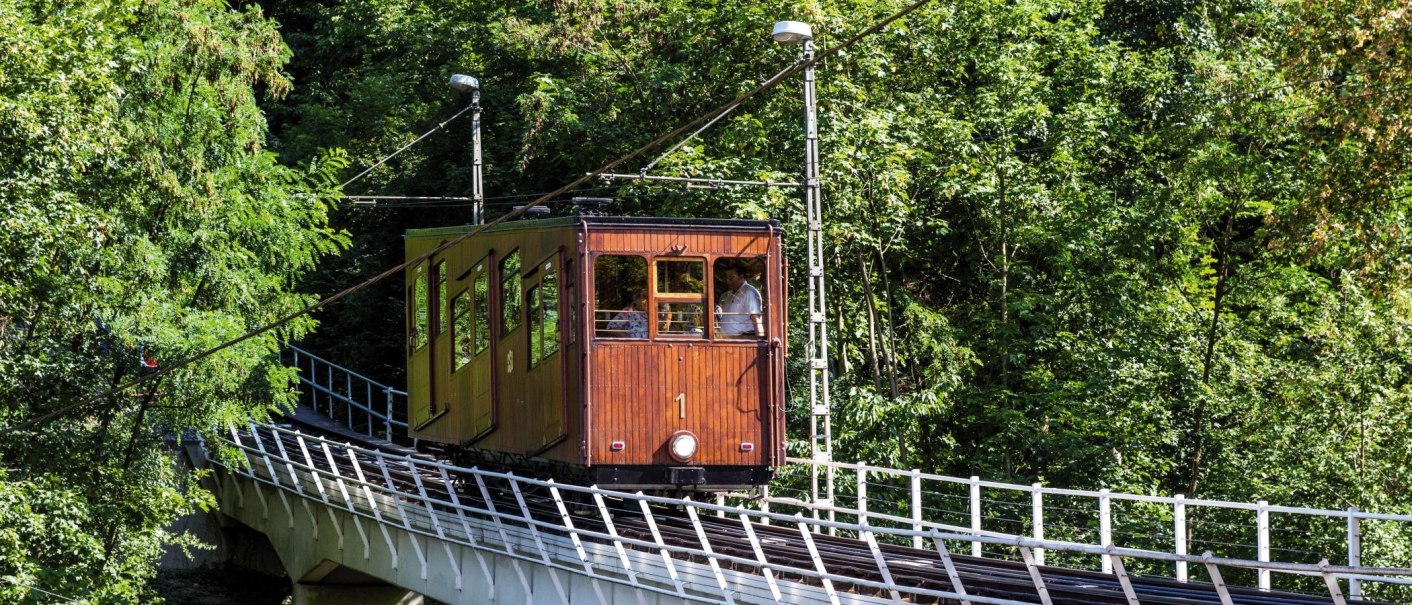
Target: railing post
{"type": "Point", "coordinates": [1035, 576]}
{"type": "Point", "coordinates": [650, 518]}
{"type": "Point", "coordinates": [721, 581]}
{"type": "Point", "coordinates": [916, 505]}
{"type": "Point", "coordinates": [1216, 581]}
{"type": "Point", "coordinates": [956, 585]}
{"type": "Point", "coordinates": [764, 504]}
{"type": "Point", "coordinates": [813, 554]}
{"type": "Point", "coordinates": [1355, 552]}
{"type": "Point", "coordinates": [1179, 532]}
{"type": "Point", "coordinates": [1331, 582]}
{"type": "Point", "coordinates": [759, 556]}
{"type": "Point", "coordinates": [1037, 516]}
{"type": "Point", "coordinates": [862, 493]}
{"type": "Point", "coordinates": [388, 421]}
{"type": "Point", "coordinates": [330, 390]}
{"type": "Point", "coordinates": [1262, 543]}
{"type": "Point", "coordinates": [529, 522]}
{"type": "Point", "coordinates": [975, 514]}
{"type": "Point", "coordinates": [313, 384]}
{"type": "Point", "coordinates": [348, 391]}
{"type": "Point", "coordinates": [368, 400]}
{"type": "Point", "coordinates": [1105, 526]}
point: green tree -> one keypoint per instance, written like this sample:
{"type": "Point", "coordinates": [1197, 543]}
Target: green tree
{"type": "Point", "coordinates": [141, 216]}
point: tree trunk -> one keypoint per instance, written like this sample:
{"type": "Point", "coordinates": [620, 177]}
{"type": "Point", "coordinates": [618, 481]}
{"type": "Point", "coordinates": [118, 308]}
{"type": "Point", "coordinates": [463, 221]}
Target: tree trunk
{"type": "Point", "coordinates": [872, 321]}
{"type": "Point", "coordinates": [1004, 289]}
{"type": "Point", "coordinates": [1223, 273]}
{"type": "Point", "coordinates": [891, 332]}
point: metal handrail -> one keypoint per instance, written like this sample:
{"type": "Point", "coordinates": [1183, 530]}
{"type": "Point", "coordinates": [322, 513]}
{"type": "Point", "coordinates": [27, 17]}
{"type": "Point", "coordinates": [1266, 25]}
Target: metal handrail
{"type": "Point", "coordinates": [318, 366]}
{"type": "Point", "coordinates": [391, 497]}
{"type": "Point", "coordinates": [1352, 517]}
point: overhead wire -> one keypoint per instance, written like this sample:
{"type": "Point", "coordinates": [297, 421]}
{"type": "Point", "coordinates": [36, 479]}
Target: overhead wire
{"type": "Point", "coordinates": [439, 126]}
{"type": "Point", "coordinates": [430, 201]}
{"type": "Point", "coordinates": [652, 144]}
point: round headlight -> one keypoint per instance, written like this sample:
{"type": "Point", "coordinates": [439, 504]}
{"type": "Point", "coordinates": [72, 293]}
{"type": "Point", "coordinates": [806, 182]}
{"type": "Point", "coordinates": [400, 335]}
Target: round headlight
{"type": "Point", "coordinates": [683, 446]}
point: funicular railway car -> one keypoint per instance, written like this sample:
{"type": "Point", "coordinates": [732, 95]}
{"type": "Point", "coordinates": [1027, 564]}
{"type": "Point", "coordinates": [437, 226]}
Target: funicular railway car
{"type": "Point", "coordinates": [637, 353]}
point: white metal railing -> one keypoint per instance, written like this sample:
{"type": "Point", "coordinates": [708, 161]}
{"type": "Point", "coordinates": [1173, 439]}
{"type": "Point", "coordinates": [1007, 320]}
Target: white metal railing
{"type": "Point", "coordinates": [907, 493]}
{"type": "Point", "coordinates": [907, 498]}
{"type": "Point", "coordinates": [311, 472]}
{"type": "Point", "coordinates": [360, 403]}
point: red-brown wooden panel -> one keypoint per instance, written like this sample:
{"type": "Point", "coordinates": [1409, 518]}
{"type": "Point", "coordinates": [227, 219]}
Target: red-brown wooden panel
{"type": "Point", "coordinates": [640, 390]}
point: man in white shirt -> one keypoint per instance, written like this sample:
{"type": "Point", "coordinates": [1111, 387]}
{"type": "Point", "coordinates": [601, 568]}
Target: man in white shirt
{"type": "Point", "coordinates": [738, 310]}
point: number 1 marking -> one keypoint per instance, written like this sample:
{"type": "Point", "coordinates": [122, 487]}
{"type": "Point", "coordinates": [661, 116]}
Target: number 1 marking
{"type": "Point", "coordinates": [681, 404]}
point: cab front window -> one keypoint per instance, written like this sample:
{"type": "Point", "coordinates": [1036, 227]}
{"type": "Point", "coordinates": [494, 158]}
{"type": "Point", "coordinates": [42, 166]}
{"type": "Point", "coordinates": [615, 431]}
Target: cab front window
{"type": "Point", "coordinates": [620, 297]}
{"type": "Point", "coordinates": [680, 291]}
{"type": "Point", "coordinates": [740, 303]}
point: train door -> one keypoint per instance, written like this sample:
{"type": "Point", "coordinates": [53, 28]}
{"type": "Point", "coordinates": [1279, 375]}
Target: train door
{"type": "Point", "coordinates": [440, 345]}
{"type": "Point", "coordinates": [418, 353]}
{"type": "Point", "coordinates": [510, 349]}
{"type": "Point", "coordinates": [678, 321]}
{"type": "Point", "coordinates": [544, 379]}
{"type": "Point", "coordinates": [482, 408]}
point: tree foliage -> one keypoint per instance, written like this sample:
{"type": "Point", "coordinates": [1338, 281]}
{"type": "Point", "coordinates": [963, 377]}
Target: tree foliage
{"type": "Point", "coordinates": [140, 216]}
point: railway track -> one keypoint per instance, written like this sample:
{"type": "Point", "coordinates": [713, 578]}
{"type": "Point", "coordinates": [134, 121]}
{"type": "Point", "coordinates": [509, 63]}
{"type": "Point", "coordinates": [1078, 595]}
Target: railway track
{"type": "Point", "coordinates": [907, 566]}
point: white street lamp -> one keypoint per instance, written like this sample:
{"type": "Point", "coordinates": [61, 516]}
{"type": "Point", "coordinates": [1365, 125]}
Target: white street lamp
{"type": "Point", "coordinates": [470, 84]}
{"type": "Point", "coordinates": [820, 427]}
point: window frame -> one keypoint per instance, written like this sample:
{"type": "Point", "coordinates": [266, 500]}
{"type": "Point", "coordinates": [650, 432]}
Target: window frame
{"type": "Point", "coordinates": [465, 310]}
{"type": "Point", "coordinates": [536, 306]}
{"type": "Point", "coordinates": [594, 310]}
{"type": "Point", "coordinates": [442, 303]}
{"type": "Point", "coordinates": [762, 287]}
{"type": "Point", "coordinates": [418, 319]}
{"type": "Point", "coordinates": [658, 298]}
{"type": "Point", "coordinates": [514, 278]}
{"type": "Point", "coordinates": [480, 305]}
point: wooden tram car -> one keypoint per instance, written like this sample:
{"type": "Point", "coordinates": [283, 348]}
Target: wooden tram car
{"type": "Point", "coordinates": [599, 345]}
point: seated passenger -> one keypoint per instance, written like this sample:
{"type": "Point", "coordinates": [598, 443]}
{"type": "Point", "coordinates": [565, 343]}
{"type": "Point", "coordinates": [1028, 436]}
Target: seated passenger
{"type": "Point", "coordinates": [631, 322]}
{"type": "Point", "coordinates": [738, 310]}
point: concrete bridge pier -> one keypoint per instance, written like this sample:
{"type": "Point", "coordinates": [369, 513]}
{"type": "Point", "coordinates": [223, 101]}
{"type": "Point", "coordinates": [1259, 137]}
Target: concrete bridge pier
{"type": "Point", "coordinates": [332, 584]}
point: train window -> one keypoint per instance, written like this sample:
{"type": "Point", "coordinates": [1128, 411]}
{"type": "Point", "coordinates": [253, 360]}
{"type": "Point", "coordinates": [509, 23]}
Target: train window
{"type": "Point", "coordinates": [620, 292]}
{"type": "Point", "coordinates": [681, 297]}
{"type": "Point", "coordinates": [481, 313]}
{"type": "Point", "coordinates": [461, 337]}
{"type": "Point", "coordinates": [550, 301]}
{"type": "Point", "coordinates": [510, 293]}
{"type": "Point", "coordinates": [419, 309]}
{"type": "Point", "coordinates": [543, 314]}
{"type": "Point", "coordinates": [570, 280]}
{"type": "Point", "coordinates": [740, 304]}
{"type": "Point", "coordinates": [441, 301]}
{"type": "Point", "coordinates": [536, 326]}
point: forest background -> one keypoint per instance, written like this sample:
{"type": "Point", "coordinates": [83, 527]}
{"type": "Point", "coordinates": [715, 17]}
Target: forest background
{"type": "Point", "coordinates": [1154, 246]}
